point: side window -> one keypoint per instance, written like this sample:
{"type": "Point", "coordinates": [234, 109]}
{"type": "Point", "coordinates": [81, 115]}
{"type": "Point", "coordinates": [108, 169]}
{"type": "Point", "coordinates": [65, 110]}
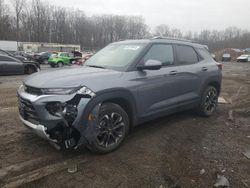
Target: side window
{"type": "Point", "coordinates": [205, 54]}
{"type": "Point", "coordinates": [6, 58]}
{"type": "Point", "coordinates": [161, 52]}
{"type": "Point", "coordinates": [186, 55]}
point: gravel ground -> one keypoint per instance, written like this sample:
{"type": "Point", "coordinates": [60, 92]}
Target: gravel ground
{"type": "Point", "coordinates": [181, 150]}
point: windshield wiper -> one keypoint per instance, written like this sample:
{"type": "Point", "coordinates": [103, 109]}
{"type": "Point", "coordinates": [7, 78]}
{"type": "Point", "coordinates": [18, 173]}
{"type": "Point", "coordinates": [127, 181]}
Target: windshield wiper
{"type": "Point", "coordinates": [96, 66]}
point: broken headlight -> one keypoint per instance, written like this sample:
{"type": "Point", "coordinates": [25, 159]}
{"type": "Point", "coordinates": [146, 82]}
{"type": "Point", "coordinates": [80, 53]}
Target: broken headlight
{"type": "Point", "coordinates": [86, 91]}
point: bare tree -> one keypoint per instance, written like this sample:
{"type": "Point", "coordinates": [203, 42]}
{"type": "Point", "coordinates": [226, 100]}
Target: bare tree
{"type": "Point", "coordinates": [18, 6]}
{"type": "Point", "coordinates": [38, 21]}
{"type": "Point", "coordinates": [162, 30]}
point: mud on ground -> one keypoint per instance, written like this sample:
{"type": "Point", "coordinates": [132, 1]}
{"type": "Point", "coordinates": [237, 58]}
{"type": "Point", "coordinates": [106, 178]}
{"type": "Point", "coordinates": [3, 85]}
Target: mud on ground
{"type": "Point", "coordinates": [168, 152]}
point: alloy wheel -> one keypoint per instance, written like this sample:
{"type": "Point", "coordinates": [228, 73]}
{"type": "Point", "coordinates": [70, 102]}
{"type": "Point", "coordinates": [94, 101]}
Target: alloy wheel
{"type": "Point", "coordinates": [211, 101]}
{"type": "Point", "coordinates": [111, 129]}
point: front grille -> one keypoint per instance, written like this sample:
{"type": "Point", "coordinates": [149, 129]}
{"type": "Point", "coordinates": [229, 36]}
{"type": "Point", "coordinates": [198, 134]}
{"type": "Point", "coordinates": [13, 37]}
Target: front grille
{"type": "Point", "coordinates": [27, 110]}
{"type": "Point", "coordinates": [33, 90]}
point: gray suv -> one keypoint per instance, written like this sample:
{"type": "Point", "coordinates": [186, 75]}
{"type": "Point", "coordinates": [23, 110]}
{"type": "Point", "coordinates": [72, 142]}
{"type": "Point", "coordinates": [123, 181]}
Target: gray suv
{"type": "Point", "coordinates": [123, 85]}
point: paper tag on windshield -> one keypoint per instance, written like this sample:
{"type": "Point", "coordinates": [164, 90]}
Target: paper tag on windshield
{"type": "Point", "coordinates": [131, 47]}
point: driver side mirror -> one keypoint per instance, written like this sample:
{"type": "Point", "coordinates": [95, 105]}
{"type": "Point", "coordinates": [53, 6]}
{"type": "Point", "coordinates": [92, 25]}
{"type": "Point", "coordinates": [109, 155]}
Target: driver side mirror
{"type": "Point", "coordinates": [150, 65]}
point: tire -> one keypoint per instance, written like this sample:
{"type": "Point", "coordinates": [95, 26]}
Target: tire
{"type": "Point", "coordinates": [60, 64]}
{"type": "Point", "coordinates": [45, 62]}
{"type": "Point", "coordinates": [208, 102]}
{"type": "Point", "coordinates": [111, 135]}
{"type": "Point", "coordinates": [31, 70]}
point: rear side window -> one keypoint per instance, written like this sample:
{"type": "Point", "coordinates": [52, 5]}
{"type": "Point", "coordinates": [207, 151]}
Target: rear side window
{"type": "Point", "coordinates": [64, 55]}
{"type": "Point", "coordinates": [161, 52]}
{"type": "Point", "coordinates": [205, 54]}
{"type": "Point", "coordinates": [186, 55]}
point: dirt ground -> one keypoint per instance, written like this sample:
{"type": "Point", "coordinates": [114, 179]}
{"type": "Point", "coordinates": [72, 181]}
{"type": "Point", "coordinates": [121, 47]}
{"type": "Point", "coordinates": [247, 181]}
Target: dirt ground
{"type": "Point", "coordinates": [168, 152]}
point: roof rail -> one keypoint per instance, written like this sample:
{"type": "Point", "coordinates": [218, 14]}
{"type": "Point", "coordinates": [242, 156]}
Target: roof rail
{"type": "Point", "coordinates": [172, 38]}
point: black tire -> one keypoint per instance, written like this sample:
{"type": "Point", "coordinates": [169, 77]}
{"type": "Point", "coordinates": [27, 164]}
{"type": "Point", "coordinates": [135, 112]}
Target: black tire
{"type": "Point", "coordinates": [113, 127]}
{"type": "Point", "coordinates": [31, 70]}
{"type": "Point", "coordinates": [45, 62]}
{"type": "Point", "coordinates": [60, 64]}
{"type": "Point", "coordinates": [208, 102]}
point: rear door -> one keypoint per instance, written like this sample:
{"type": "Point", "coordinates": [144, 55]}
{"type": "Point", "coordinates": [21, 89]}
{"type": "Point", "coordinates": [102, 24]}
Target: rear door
{"type": "Point", "coordinates": [188, 82]}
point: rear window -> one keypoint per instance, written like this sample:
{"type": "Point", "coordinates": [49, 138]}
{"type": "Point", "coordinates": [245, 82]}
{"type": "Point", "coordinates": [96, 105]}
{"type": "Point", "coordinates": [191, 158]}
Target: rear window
{"type": "Point", "coordinates": [186, 55]}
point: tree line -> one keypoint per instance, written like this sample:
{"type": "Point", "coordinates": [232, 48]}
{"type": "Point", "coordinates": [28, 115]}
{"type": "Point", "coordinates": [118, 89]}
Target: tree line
{"type": "Point", "coordinates": [38, 21]}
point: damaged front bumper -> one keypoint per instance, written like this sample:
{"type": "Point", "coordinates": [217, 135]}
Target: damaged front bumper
{"type": "Point", "coordinates": [40, 130]}
{"type": "Point", "coordinates": [63, 129]}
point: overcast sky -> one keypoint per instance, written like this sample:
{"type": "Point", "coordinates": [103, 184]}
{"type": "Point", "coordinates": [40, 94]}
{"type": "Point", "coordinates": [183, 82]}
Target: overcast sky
{"type": "Point", "coordinates": [193, 15]}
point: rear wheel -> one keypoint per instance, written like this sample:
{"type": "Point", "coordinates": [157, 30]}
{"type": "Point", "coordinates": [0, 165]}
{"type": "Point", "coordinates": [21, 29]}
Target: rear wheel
{"type": "Point", "coordinates": [31, 70]}
{"type": "Point", "coordinates": [60, 64]}
{"type": "Point", "coordinates": [208, 102]}
{"type": "Point", "coordinates": [112, 130]}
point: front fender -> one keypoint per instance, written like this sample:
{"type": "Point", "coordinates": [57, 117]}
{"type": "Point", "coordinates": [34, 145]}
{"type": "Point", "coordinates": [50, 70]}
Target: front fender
{"type": "Point", "coordinates": [87, 126]}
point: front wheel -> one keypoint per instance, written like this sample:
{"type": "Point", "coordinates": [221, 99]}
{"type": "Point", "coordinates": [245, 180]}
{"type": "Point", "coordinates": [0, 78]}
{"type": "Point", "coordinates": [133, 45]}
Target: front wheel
{"type": "Point", "coordinates": [208, 102]}
{"type": "Point", "coordinates": [112, 130]}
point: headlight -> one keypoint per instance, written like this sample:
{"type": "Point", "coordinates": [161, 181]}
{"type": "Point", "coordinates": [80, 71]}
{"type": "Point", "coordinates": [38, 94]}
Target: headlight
{"type": "Point", "coordinates": [59, 91]}
{"type": "Point", "coordinates": [22, 88]}
{"type": "Point", "coordinates": [86, 91]}
{"type": "Point", "coordinates": [67, 91]}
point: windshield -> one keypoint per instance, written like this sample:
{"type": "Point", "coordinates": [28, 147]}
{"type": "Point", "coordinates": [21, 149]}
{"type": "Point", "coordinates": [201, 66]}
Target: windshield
{"type": "Point", "coordinates": [115, 56]}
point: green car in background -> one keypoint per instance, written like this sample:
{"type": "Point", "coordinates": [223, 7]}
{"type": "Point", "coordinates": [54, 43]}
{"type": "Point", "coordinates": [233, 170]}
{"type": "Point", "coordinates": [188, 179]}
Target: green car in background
{"type": "Point", "coordinates": [60, 59]}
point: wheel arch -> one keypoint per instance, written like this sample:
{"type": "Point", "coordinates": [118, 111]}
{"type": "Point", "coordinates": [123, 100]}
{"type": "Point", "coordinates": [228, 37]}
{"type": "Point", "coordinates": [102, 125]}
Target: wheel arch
{"type": "Point", "coordinates": [214, 81]}
{"type": "Point", "coordinates": [27, 66]}
{"type": "Point", "coordinates": [124, 104]}
{"type": "Point", "coordinates": [121, 97]}
{"type": "Point", "coordinates": [215, 84]}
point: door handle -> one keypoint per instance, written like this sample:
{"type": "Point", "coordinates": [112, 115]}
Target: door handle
{"type": "Point", "coordinates": [173, 72]}
{"type": "Point", "coordinates": [204, 69]}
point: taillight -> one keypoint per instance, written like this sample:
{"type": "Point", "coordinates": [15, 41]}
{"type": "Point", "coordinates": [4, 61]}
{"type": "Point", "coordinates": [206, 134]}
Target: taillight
{"type": "Point", "coordinates": [220, 65]}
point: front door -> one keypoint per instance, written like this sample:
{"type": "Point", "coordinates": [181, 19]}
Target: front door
{"type": "Point", "coordinates": [156, 88]}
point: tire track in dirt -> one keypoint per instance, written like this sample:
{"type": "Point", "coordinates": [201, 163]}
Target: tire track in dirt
{"type": "Point", "coordinates": [29, 171]}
